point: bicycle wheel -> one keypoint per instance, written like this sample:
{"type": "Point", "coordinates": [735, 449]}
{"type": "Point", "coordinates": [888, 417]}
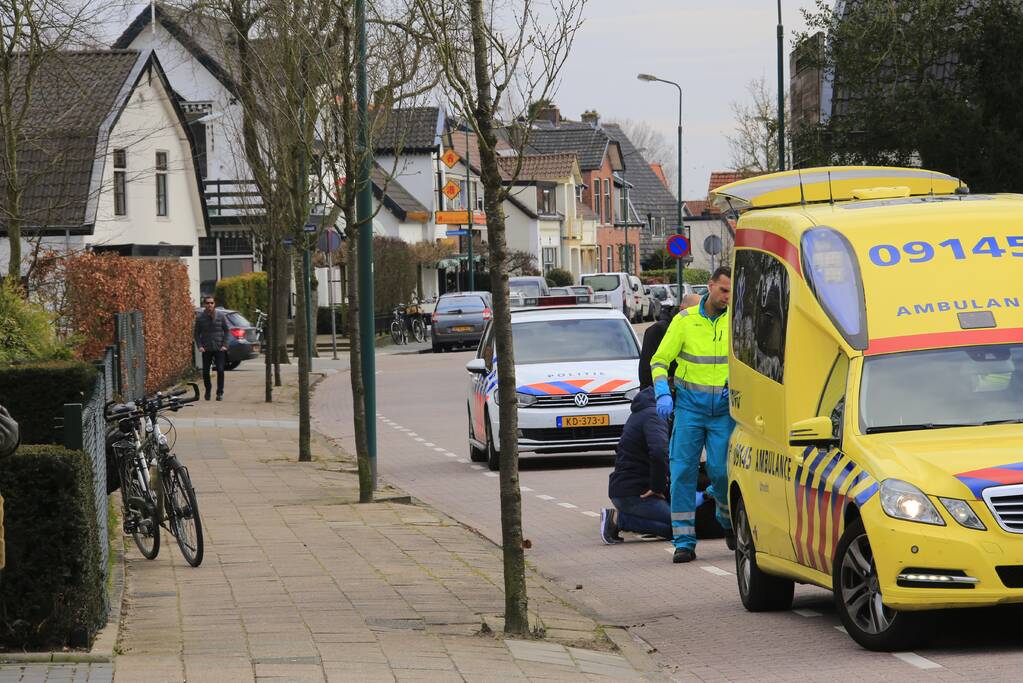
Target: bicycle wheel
{"type": "Point", "coordinates": [183, 514]}
{"type": "Point", "coordinates": [419, 330]}
{"type": "Point", "coordinates": [140, 516]}
{"type": "Point", "coordinates": [396, 333]}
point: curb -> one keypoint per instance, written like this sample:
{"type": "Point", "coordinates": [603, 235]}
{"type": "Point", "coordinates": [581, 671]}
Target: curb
{"type": "Point", "coordinates": [102, 651]}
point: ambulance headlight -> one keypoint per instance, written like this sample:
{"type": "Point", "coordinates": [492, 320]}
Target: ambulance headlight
{"type": "Point", "coordinates": [902, 500]}
{"type": "Point", "coordinates": [963, 513]}
{"type": "Point", "coordinates": [632, 393]}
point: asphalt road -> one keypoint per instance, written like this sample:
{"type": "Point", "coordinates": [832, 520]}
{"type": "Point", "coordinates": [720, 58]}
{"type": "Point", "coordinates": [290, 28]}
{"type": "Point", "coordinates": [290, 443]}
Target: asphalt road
{"type": "Point", "coordinates": [690, 614]}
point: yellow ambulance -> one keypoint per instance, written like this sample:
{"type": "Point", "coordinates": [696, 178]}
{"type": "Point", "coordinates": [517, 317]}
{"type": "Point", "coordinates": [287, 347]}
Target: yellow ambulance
{"type": "Point", "coordinates": [876, 380]}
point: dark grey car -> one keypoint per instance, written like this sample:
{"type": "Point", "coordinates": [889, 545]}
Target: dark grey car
{"type": "Point", "coordinates": [459, 319]}
{"type": "Point", "coordinates": [243, 343]}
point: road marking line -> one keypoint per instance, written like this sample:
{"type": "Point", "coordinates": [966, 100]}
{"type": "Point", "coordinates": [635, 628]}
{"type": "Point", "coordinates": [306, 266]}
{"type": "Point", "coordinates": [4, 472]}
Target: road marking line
{"type": "Point", "coordinates": [412, 434]}
{"type": "Point", "coordinates": [476, 467]}
{"type": "Point", "coordinates": [429, 445]}
{"type": "Point", "coordinates": [490, 474]}
{"type": "Point", "coordinates": [807, 613]}
{"type": "Point", "coordinates": [420, 439]}
{"type": "Point", "coordinates": [842, 629]}
{"type": "Point", "coordinates": [716, 571]}
{"type": "Point", "coordinates": [525, 489]}
{"type": "Point", "coordinates": [465, 460]}
{"type": "Point", "coordinates": [590, 513]}
{"type": "Point", "coordinates": [913, 659]}
{"type": "Point", "coordinates": [439, 449]}
{"type": "Point", "coordinates": [451, 455]}
{"type": "Point", "coordinates": [567, 505]}
{"type": "Point", "coordinates": [545, 497]}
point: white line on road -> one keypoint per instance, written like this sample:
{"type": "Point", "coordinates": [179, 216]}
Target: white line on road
{"type": "Point", "coordinates": [807, 613]}
{"type": "Point", "coordinates": [913, 659]}
{"type": "Point", "coordinates": [544, 496]}
{"type": "Point", "coordinates": [842, 629]}
{"type": "Point", "coordinates": [412, 434]}
{"type": "Point", "coordinates": [420, 439]}
{"type": "Point", "coordinates": [438, 449]}
{"type": "Point", "coordinates": [451, 455]}
{"type": "Point", "coordinates": [525, 489]}
{"type": "Point", "coordinates": [476, 467]}
{"type": "Point", "coordinates": [465, 460]}
{"type": "Point", "coordinates": [491, 474]}
{"type": "Point", "coordinates": [716, 571]}
{"type": "Point", "coordinates": [429, 445]}
{"type": "Point", "coordinates": [567, 505]}
{"type": "Point", "coordinates": [590, 513]}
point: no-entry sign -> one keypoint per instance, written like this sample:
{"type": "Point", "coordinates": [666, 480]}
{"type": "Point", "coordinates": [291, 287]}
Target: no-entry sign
{"type": "Point", "coordinates": [678, 246]}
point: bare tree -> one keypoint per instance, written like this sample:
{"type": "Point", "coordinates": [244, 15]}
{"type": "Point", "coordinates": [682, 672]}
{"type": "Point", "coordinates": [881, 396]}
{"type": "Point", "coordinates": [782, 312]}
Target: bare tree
{"type": "Point", "coordinates": [495, 56]}
{"type": "Point", "coordinates": [754, 144]}
{"type": "Point", "coordinates": [655, 146]}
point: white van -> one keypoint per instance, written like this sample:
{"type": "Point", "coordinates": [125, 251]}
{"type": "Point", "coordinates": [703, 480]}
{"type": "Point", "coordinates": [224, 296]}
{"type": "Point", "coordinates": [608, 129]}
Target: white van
{"type": "Point", "coordinates": [618, 290]}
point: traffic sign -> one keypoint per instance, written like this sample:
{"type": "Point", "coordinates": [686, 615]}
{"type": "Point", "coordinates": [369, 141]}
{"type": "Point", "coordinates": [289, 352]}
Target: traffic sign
{"type": "Point", "coordinates": [450, 158]}
{"type": "Point", "coordinates": [456, 233]}
{"type": "Point", "coordinates": [329, 241]}
{"type": "Point", "coordinates": [451, 189]}
{"type": "Point", "coordinates": [678, 246]}
{"type": "Point", "coordinates": [309, 227]}
{"type": "Point", "coordinates": [712, 245]}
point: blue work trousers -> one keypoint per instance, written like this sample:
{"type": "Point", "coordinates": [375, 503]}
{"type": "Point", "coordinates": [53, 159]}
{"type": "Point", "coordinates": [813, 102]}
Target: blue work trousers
{"type": "Point", "coordinates": [650, 515]}
{"type": "Point", "coordinates": [692, 434]}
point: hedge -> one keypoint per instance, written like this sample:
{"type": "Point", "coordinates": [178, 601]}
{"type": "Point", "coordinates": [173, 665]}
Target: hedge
{"type": "Point", "coordinates": [340, 320]}
{"type": "Point", "coordinates": [35, 394]}
{"type": "Point", "coordinates": [51, 594]}
{"type": "Point", "coordinates": [243, 293]}
{"type": "Point", "coordinates": [394, 273]}
{"type": "Point", "coordinates": [100, 285]}
{"type": "Point", "coordinates": [693, 276]}
{"type": "Point", "coordinates": [27, 329]}
{"type": "Point", "coordinates": [557, 277]}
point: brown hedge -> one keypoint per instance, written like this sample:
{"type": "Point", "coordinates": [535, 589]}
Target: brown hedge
{"type": "Point", "coordinates": [100, 285]}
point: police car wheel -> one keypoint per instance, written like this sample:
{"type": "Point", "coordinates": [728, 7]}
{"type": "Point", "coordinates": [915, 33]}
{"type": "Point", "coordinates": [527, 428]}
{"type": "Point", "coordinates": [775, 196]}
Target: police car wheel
{"type": "Point", "coordinates": [475, 454]}
{"type": "Point", "coordinates": [493, 455]}
{"type": "Point", "coordinates": [859, 603]}
{"type": "Point", "coordinates": [759, 591]}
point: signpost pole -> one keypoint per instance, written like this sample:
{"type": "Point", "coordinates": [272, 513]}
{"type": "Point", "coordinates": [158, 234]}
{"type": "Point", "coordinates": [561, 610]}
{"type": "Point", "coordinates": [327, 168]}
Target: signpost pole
{"type": "Point", "coordinates": [468, 207]}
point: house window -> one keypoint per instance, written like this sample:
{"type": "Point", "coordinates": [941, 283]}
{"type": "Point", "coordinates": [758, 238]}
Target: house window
{"type": "Point", "coordinates": [161, 183]}
{"type": "Point", "coordinates": [623, 209]}
{"type": "Point", "coordinates": [546, 202]}
{"type": "Point", "coordinates": [222, 256]}
{"type": "Point", "coordinates": [477, 195]}
{"type": "Point", "coordinates": [662, 227]}
{"type": "Point", "coordinates": [550, 259]}
{"type": "Point", "coordinates": [598, 207]}
{"type": "Point", "coordinates": [578, 193]}
{"type": "Point", "coordinates": [120, 182]}
{"type": "Point", "coordinates": [610, 260]}
{"type": "Point", "coordinates": [608, 216]}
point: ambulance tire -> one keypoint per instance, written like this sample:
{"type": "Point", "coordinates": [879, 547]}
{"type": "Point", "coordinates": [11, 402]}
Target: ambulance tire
{"type": "Point", "coordinates": [493, 454]}
{"type": "Point", "coordinates": [758, 590]}
{"type": "Point", "coordinates": [475, 454]}
{"type": "Point", "coordinates": [874, 626]}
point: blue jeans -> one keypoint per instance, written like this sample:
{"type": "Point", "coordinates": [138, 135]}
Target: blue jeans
{"type": "Point", "coordinates": [644, 515]}
{"type": "Point", "coordinates": [692, 434]}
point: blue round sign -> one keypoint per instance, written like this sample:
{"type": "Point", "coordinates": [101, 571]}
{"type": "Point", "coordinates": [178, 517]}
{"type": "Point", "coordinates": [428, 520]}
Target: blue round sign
{"type": "Point", "coordinates": [678, 246]}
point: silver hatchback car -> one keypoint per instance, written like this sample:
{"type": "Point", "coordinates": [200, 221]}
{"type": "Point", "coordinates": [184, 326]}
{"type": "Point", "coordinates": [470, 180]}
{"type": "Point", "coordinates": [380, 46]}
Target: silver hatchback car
{"type": "Point", "coordinates": [459, 319]}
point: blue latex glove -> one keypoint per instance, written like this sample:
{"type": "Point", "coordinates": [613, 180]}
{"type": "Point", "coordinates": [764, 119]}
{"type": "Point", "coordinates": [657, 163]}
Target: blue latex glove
{"type": "Point", "coordinates": [665, 405]}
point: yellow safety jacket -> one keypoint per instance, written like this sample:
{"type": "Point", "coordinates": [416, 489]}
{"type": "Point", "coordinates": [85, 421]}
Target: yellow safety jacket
{"type": "Point", "coordinates": [700, 347]}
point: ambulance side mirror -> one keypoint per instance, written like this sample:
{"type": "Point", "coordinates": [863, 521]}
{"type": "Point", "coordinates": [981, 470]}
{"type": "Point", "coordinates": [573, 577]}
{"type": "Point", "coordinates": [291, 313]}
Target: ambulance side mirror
{"type": "Point", "coordinates": [816, 431]}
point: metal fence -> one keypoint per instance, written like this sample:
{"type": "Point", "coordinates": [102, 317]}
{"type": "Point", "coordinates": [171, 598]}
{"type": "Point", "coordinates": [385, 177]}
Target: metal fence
{"type": "Point", "coordinates": [130, 356]}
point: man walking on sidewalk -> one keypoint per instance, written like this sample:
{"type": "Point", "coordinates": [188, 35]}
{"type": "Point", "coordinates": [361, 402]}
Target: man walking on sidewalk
{"type": "Point", "coordinates": [697, 340]}
{"type": "Point", "coordinates": [211, 332]}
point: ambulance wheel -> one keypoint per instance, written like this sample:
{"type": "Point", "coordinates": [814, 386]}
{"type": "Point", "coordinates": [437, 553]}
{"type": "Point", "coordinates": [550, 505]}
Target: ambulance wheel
{"type": "Point", "coordinates": [475, 454]}
{"type": "Point", "coordinates": [759, 591]}
{"type": "Point", "coordinates": [493, 455]}
{"type": "Point", "coordinates": [860, 605]}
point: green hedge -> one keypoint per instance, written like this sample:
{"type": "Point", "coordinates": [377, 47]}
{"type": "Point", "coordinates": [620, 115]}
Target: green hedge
{"type": "Point", "coordinates": [340, 320]}
{"type": "Point", "coordinates": [556, 277]}
{"type": "Point", "coordinates": [35, 394]}
{"type": "Point", "coordinates": [394, 273]}
{"type": "Point", "coordinates": [693, 276]}
{"type": "Point", "coordinates": [51, 594]}
{"type": "Point", "coordinates": [243, 293]}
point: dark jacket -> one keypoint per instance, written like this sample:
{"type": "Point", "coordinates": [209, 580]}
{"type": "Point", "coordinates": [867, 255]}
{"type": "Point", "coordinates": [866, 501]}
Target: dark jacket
{"type": "Point", "coordinates": [651, 340]}
{"type": "Point", "coordinates": [211, 333]}
{"type": "Point", "coordinates": [641, 459]}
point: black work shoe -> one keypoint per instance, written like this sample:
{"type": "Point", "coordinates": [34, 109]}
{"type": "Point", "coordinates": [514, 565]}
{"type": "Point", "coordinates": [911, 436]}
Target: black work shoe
{"type": "Point", "coordinates": [608, 527]}
{"type": "Point", "coordinates": [220, 397]}
{"type": "Point", "coordinates": [730, 539]}
{"type": "Point", "coordinates": [207, 394]}
{"type": "Point", "coordinates": [683, 555]}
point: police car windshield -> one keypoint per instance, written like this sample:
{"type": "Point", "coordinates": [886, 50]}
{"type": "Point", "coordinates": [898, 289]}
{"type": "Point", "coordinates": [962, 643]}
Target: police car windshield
{"type": "Point", "coordinates": [571, 341]}
{"type": "Point", "coordinates": [932, 389]}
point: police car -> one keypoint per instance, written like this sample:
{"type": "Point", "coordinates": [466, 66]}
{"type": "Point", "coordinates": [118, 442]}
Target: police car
{"type": "Point", "coordinates": [576, 373]}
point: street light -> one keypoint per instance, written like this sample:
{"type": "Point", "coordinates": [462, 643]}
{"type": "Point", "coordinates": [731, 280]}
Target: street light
{"type": "Point", "coordinates": [680, 229]}
{"type": "Point", "coordinates": [781, 93]}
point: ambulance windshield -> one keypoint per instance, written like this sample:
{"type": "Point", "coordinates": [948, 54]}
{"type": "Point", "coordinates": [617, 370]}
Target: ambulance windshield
{"type": "Point", "coordinates": [968, 386]}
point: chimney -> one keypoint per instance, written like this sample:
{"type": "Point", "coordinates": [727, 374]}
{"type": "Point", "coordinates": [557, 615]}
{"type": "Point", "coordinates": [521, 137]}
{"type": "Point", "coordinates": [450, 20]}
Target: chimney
{"type": "Point", "coordinates": [549, 113]}
{"type": "Point", "coordinates": [591, 117]}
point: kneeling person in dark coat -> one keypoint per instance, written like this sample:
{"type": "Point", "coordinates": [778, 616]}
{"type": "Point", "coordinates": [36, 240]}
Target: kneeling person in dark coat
{"type": "Point", "coordinates": [638, 486]}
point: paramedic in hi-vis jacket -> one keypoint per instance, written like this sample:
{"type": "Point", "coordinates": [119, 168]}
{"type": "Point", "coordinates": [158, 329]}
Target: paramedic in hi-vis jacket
{"type": "Point", "coordinates": [697, 340]}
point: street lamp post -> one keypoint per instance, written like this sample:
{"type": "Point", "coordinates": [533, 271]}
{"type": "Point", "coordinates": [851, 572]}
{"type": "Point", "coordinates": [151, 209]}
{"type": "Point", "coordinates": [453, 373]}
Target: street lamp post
{"type": "Point", "coordinates": [680, 230]}
{"type": "Point", "coordinates": [781, 92]}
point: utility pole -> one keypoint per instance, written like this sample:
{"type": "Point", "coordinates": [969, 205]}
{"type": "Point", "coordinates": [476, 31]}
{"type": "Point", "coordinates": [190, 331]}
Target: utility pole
{"type": "Point", "coordinates": [781, 92]}
{"type": "Point", "coordinates": [468, 208]}
{"type": "Point", "coordinates": [364, 217]}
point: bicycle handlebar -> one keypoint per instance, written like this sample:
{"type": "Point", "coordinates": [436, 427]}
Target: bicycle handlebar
{"type": "Point", "coordinates": [152, 404]}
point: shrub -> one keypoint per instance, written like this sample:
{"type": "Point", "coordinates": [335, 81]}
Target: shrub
{"type": "Point", "coordinates": [394, 273]}
{"type": "Point", "coordinates": [243, 293]}
{"type": "Point", "coordinates": [35, 394]}
{"type": "Point", "coordinates": [26, 329]}
{"type": "Point", "coordinates": [52, 589]}
{"type": "Point", "coordinates": [557, 277]}
{"type": "Point", "coordinates": [693, 276]}
{"type": "Point", "coordinates": [100, 285]}
{"type": "Point", "coordinates": [340, 319]}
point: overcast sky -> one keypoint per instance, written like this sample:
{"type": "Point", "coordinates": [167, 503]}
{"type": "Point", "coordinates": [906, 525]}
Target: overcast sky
{"type": "Point", "coordinates": [712, 48]}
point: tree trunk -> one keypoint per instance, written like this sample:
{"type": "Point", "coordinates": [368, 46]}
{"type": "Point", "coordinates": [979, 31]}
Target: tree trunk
{"type": "Point", "coordinates": [516, 615]}
{"type": "Point", "coordinates": [282, 288]}
{"type": "Point", "coordinates": [268, 326]}
{"type": "Point", "coordinates": [302, 352]}
{"type": "Point", "coordinates": [355, 362]}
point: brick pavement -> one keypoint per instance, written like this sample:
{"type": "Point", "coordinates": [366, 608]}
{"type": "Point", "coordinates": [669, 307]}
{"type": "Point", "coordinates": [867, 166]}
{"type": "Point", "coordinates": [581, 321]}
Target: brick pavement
{"type": "Point", "coordinates": [300, 583]}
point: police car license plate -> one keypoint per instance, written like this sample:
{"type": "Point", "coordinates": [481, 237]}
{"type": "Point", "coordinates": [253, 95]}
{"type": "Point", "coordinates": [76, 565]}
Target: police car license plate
{"type": "Point", "coordinates": [462, 328]}
{"type": "Point", "coordinates": [569, 421]}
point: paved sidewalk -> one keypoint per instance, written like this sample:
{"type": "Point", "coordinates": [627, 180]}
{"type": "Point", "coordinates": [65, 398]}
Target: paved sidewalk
{"type": "Point", "coordinates": [301, 583]}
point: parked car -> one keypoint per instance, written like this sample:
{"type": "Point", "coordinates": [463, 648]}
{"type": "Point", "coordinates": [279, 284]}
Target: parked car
{"type": "Point", "coordinates": [459, 319]}
{"type": "Point", "coordinates": [561, 291]}
{"type": "Point", "coordinates": [529, 286]}
{"type": "Point", "coordinates": [243, 342]}
{"type": "Point", "coordinates": [664, 295]}
{"type": "Point", "coordinates": [654, 310]}
{"type": "Point", "coordinates": [616, 289]}
{"type": "Point", "coordinates": [639, 295]}
{"type": "Point", "coordinates": [576, 373]}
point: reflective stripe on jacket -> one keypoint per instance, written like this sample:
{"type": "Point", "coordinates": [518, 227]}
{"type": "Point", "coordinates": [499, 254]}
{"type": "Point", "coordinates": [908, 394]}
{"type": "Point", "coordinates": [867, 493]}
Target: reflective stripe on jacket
{"type": "Point", "coordinates": [700, 347]}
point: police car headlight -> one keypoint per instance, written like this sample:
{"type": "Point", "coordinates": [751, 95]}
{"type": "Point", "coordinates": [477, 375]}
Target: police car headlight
{"type": "Point", "coordinates": [963, 513]}
{"type": "Point", "coordinates": [524, 400]}
{"type": "Point", "coordinates": [632, 393]}
{"type": "Point", "coordinates": [902, 500]}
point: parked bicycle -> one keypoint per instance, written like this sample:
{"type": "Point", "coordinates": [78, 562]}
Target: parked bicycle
{"type": "Point", "coordinates": [261, 322]}
{"type": "Point", "coordinates": [406, 321]}
{"type": "Point", "coordinates": [155, 486]}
